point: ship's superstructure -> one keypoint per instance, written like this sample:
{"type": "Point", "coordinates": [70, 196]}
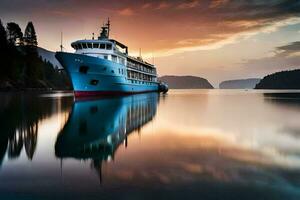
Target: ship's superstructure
{"type": "Point", "coordinates": [103, 66]}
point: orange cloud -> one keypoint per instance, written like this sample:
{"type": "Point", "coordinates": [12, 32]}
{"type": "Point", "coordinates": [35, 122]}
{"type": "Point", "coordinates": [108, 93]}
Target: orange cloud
{"type": "Point", "coordinates": [146, 5]}
{"type": "Point", "coordinates": [126, 12]}
{"type": "Point", "coordinates": [163, 5]}
{"type": "Point", "coordinates": [218, 3]}
{"type": "Point", "coordinates": [187, 5]}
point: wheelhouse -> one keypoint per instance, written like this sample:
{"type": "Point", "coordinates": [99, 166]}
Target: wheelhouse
{"type": "Point", "coordinates": [106, 49]}
{"type": "Point", "coordinates": [95, 45]}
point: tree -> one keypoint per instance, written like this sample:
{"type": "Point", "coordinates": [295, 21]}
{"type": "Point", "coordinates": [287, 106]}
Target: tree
{"type": "Point", "coordinates": [15, 35]}
{"type": "Point", "coordinates": [30, 38]}
{"type": "Point", "coordinates": [4, 56]}
{"type": "Point", "coordinates": [3, 38]}
{"type": "Point", "coordinates": [33, 69]}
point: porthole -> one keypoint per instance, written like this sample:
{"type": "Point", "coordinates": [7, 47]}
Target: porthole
{"type": "Point", "coordinates": [94, 82]}
{"type": "Point", "coordinates": [83, 69]}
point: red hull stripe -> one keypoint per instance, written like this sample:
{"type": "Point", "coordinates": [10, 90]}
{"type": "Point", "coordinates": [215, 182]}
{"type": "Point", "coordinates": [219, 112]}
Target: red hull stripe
{"type": "Point", "coordinates": [105, 93]}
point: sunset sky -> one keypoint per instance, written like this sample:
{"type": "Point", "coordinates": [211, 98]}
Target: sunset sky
{"type": "Point", "coordinates": [214, 39]}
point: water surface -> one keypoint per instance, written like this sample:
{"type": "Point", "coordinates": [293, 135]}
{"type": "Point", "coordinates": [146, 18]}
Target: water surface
{"type": "Point", "coordinates": [188, 144]}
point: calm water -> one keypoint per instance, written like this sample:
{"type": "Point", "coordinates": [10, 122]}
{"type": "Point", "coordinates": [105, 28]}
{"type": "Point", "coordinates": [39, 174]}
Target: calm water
{"type": "Point", "coordinates": [191, 144]}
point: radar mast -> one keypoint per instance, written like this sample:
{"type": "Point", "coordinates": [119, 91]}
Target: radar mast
{"type": "Point", "coordinates": [105, 29]}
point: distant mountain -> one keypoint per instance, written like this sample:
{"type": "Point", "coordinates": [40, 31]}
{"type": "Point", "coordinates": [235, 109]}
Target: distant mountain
{"type": "Point", "coordinates": [239, 83]}
{"type": "Point", "coordinates": [186, 82]}
{"type": "Point", "coordinates": [281, 80]}
{"type": "Point", "coordinates": [49, 56]}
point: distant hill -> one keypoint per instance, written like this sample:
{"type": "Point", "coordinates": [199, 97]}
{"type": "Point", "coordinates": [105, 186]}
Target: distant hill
{"type": "Point", "coordinates": [239, 83]}
{"type": "Point", "coordinates": [186, 82]}
{"type": "Point", "coordinates": [281, 80]}
{"type": "Point", "coordinates": [49, 56]}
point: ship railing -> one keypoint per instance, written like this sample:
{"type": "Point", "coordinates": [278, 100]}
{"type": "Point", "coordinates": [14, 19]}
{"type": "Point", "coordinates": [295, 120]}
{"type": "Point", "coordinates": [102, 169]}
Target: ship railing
{"type": "Point", "coordinates": [140, 71]}
{"type": "Point", "coordinates": [137, 79]}
{"type": "Point", "coordinates": [140, 67]}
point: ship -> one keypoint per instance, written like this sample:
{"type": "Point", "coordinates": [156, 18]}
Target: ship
{"type": "Point", "coordinates": [103, 66]}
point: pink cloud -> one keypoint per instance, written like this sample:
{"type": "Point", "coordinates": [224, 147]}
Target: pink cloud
{"type": "Point", "coordinates": [146, 5]}
{"type": "Point", "coordinates": [187, 5]}
{"type": "Point", "coordinates": [126, 12]}
{"type": "Point", "coordinates": [163, 5]}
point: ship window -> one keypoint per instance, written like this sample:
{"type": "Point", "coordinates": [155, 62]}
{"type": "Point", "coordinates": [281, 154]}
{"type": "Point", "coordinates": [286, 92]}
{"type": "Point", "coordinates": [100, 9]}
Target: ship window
{"type": "Point", "coordinates": [89, 45]}
{"type": "Point", "coordinates": [79, 46]}
{"type": "Point", "coordinates": [102, 46]}
{"type": "Point", "coordinates": [122, 61]}
{"type": "Point", "coordinates": [108, 46]}
{"type": "Point", "coordinates": [94, 82]}
{"type": "Point", "coordinates": [114, 58]}
{"type": "Point", "coordinates": [95, 45]}
{"type": "Point", "coordinates": [84, 45]}
{"type": "Point", "coordinates": [83, 69]}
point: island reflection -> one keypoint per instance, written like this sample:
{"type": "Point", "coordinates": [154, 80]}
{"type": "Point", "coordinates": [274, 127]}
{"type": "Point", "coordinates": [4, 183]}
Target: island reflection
{"type": "Point", "coordinates": [20, 115]}
{"type": "Point", "coordinates": [96, 128]}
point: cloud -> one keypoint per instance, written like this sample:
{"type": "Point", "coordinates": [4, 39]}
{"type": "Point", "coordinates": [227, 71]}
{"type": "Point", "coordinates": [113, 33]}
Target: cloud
{"type": "Point", "coordinates": [168, 26]}
{"type": "Point", "coordinates": [187, 5]}
{"type": "Point", "coordinates": [207, 27]}
{"type": "Point", "coordinates": [126, 12]}
{"type": "Point", "coordinates": [289, 49]}
{"type": "Point", "coordinates": [284, 57]}
{"type": "Point", "coordinates": [163, 5]}
{"type": "Point", "coordinates": [218, 3]}
{"type": "Point", "coordinates": [146, 5]}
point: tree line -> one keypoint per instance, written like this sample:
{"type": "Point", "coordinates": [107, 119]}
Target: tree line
{"type": "Point", "coordinates": [281, 80]}
{"type": "Point", "coordinates": [21, 67]}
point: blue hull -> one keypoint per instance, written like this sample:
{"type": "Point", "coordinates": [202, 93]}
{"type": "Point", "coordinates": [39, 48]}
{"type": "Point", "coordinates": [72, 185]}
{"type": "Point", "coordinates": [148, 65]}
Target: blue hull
{"type": "Point", "coordinates": [96, 76]}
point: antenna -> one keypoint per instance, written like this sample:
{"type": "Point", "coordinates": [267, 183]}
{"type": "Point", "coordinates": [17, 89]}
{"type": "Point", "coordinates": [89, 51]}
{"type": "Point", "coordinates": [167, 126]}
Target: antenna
{"type": "Point", "coordinates": [108, 27]}
{"type": "Point", "coordinates": [61, 41]}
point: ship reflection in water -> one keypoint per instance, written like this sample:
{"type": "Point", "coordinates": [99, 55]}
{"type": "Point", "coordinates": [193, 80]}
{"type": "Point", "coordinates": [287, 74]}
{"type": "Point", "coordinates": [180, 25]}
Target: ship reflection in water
{"type": "Point", "coordinates": [96, 128]}
{"type": "Point", "coordinates": [188, 144]}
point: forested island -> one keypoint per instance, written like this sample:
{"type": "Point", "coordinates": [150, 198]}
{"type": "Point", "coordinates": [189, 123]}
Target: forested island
{"type": "Point", "coordinates": [281, 80]}
{"type": "Point", "coordinates": [239, 83]}
{"type": "Point", "coordinates": [21, 67]}
{"type": "Point", "coordinates": [186, 82]}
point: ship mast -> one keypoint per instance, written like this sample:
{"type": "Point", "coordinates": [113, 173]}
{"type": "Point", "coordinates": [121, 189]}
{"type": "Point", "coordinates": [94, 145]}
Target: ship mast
{"type": "Point", "coordinates": [108, 27]}
{"type": "Point", "coordinates": [61, 42]}
{"type": "Point", "coordinates": [105, 30]}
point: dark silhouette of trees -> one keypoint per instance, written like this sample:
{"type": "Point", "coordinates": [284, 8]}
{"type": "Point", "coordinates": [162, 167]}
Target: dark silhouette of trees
{"type": "Point", "coordinates": [20, 66]}
{"type": "Point", "coordinates": [30, 37]}
{"type": "Point", "coordinates": [3, 38]}
{"type": "Point", "coordinates": [15, 35]}
{"type": "Point", "coordinates": [3, 50]}
{"type": "Point", "coordinates": [281, 80]}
